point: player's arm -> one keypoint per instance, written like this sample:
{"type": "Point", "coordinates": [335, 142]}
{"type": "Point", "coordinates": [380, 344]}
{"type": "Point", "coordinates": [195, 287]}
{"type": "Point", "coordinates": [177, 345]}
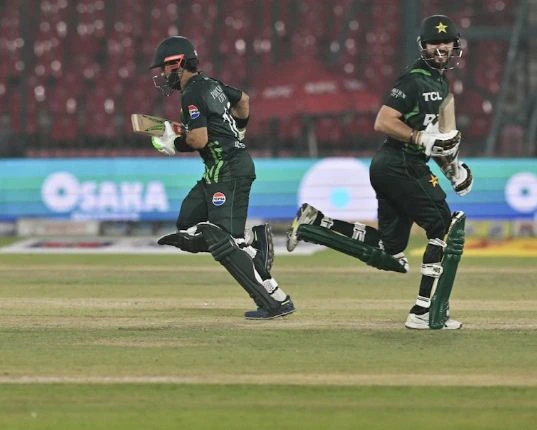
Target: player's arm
{"type": "Point", "coordinates": [401, 100]}
{"type": "Point", "coordinates": [433, 142]}
{"type": "Point", "coordinates": [240, 108]}
{"type": "Point", "coordinates": [389, 122]}
{"type": "Point", "coordinates": [187, 141]}
{"type": "Point", "coordinates": [195, 112]}
{"type": "Point", "coordinates": [197, 138]}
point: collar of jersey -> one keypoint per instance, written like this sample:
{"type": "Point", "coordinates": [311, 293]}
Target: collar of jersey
{"type": "Point", "coordinates": [192, 80]}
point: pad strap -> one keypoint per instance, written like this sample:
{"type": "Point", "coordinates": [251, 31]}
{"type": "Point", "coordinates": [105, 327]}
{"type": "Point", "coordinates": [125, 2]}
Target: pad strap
{"type": "Point", "coordinates": [434, 270]}
{"type": "Point", "coordinates": [432, 264]}
{"type": "Point", "coordinates": [370, 255]}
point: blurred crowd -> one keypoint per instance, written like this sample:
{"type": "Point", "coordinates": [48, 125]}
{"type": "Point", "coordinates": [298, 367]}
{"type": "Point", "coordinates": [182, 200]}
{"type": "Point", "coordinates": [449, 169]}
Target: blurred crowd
{"type": "Point", "coordinates": [77, 69]}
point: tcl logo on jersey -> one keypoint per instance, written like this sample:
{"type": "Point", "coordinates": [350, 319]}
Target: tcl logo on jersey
{"type": "Point", "coordinates": [219, 199]}
{"type": "Point", "coordinates": [193, 111]}
{"type": "Point", "coordinates": [432, 96]}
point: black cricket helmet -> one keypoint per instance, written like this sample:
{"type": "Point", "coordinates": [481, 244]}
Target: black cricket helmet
{"type": "Point", "coordinates": [437, 29]}
{"type": "Point", "coordinates": [172, 56]}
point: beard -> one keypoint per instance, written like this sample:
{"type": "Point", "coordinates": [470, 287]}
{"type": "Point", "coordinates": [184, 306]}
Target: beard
{"type": "Point", "coordinates": [439, 58]}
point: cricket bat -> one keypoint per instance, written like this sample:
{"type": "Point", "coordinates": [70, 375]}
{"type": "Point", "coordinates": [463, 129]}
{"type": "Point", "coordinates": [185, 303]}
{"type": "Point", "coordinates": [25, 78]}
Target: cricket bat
{"type": "Point", "coordinates": [447, 122]}
{"type": "Point", "coordinates": [459, 174]}
{"type": "Point", "coordinates": [446, 114]}
{"type": "Point", "coordinates": [152, 125]}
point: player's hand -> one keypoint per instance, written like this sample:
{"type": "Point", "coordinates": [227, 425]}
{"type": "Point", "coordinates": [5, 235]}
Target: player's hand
{"type": "Point", "coordinates": [436, 144]}
{"type": "Point", "coordinates": [462, 180]}
{"type": "Point", "coordinates": [165, 142]}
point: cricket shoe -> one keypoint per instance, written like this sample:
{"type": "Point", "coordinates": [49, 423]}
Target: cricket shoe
{"type": "Point", "coordinates": [262, 242]}
{"type": "Point", "coordinates": [421, 322]}
{"type": "Point", "coordinates": [286, 307]}
{"type": "Point", "coordinates": [306, 214]}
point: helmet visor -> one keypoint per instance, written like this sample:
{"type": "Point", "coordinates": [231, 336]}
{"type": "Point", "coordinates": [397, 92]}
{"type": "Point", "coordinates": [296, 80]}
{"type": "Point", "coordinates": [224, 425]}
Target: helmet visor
{"type": "Point", "coordinates": [169, 78]}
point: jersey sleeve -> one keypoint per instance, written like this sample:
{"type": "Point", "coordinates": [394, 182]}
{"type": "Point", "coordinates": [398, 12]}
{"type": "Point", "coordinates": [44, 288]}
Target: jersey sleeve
{"type": "Point", "coordinates": [403, 97]}
{"type": "Point", "coordinates": [232, 94]}
{"type": "Point", "coordinates": [195, 111]}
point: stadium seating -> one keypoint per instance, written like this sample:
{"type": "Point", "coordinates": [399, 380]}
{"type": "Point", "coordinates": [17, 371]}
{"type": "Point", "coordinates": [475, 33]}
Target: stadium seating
{"type": "Point", "coordinates": [78, 69]}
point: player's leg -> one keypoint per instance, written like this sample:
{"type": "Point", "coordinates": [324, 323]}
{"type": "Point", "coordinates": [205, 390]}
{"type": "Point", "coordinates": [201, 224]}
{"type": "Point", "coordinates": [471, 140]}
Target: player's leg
{"type": "Point", "coordinates": [430, 211]}
{"type": "Point", "coordinates": [308, 215]}
{"type": "Point", "coordinates": [193, 211]}
{"type": "Point", "coordinates": [239, 264]}
{"type": "Point", "coordinates": [439, 309]}
{"type": "Point", "coordinates": [419, 197]}
{"type": "Point", "coordinates": [261, 240]}
{"type": "Point", "coordinates": [355, 239]}
{"type": "Point", "coordinates": [229, 212]}
{"type": "Point", "coordinates": [231, 215]}
{"type": "Point", "coordinates": [394, 228]}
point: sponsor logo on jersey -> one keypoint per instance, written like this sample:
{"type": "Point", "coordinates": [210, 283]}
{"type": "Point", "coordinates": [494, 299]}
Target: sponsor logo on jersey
{"type": "Point", "coordinates": [432, 96]}
{"type": "Point", "coordinates": [193, 111]}
{"type": "Point", "coordinates": [396, 93]}
{"type": "Point", "coordinates": [219, 198]}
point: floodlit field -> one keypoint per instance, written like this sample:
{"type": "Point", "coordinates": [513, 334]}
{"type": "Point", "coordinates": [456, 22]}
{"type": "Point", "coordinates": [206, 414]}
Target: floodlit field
{"type": "Point", "coordinates": [159, 342]}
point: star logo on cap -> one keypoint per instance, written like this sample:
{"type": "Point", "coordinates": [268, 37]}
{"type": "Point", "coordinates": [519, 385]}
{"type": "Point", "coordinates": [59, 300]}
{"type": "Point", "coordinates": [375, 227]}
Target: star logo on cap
{"type": "Point", "coordinates": [433, 181]}
{"type": "Point", "coordinates": [441, 28]}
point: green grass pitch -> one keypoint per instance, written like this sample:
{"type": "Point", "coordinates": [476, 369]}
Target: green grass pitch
{"type": "Point", "coordinates": [159, 342]}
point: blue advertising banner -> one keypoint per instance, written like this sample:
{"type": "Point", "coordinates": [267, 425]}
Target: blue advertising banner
{"type": "Point", "coordinates": [152, 189]}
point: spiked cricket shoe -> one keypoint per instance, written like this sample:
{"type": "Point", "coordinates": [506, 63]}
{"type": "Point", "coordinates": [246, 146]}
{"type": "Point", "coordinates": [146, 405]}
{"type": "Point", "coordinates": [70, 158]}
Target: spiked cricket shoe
{"type": "Point", "coordinates": [421, 322]}
{"type": "Point", "coordinates": [306, 214]}
{"type": "Point", "coordinates": [286, 307]}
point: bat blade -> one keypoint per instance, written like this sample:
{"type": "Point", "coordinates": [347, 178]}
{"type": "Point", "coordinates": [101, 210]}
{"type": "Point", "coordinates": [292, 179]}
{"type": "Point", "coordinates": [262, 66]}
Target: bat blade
{"type": "Point", "coordinates": [446, 122]}
{"type": "Point", "coordinates": [446, 114]}
{"type": "Point", "coordinates": [152, 125]}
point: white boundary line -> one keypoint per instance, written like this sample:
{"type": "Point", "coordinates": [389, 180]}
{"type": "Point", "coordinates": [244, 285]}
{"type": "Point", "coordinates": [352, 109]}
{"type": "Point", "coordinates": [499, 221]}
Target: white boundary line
{"type": "Point", "coordinates": [448, 380]}
{"type": "Point", "coordinates": [140, 245]}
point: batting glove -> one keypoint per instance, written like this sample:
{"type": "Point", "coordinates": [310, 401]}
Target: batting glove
{"type": "Point", "coordinates": [436, 144]}
{"type": "Point", "coordinates": [165, 143]}
{"type": "Point", "coordinates": [462, 180]}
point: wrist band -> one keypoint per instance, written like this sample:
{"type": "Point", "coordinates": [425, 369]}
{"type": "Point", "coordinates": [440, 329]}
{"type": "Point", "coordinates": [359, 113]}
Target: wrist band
{"type": "Point", "coordinates": [241, 122]}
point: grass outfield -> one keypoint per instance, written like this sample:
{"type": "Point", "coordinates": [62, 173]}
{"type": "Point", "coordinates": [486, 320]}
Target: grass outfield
{"type": "Point", "coordinates": [159, 342]}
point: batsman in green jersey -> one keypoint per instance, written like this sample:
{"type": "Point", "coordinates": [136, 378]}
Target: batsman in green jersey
{"type": "Point", "coordinates": [406, 189]}
{"type": "Point", "coordinates": [213, 215]}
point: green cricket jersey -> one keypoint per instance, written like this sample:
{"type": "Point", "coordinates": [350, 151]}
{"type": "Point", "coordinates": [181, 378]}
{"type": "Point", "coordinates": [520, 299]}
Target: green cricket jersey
{"type": "Point", "coordinates": [206, 102]}
{"type": "Point", "coordinates": [417, 94]}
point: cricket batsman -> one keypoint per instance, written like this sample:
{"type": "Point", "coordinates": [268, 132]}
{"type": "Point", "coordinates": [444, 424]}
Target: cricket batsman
{"type": "Point", "coordinates": [406, 189]}
{"type": "Point", "coordinates": [213, 214]}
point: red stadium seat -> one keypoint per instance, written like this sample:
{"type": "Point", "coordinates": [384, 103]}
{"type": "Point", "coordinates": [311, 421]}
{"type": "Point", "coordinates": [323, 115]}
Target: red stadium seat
{"type": "Point", "coordinates": [91, 58]}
